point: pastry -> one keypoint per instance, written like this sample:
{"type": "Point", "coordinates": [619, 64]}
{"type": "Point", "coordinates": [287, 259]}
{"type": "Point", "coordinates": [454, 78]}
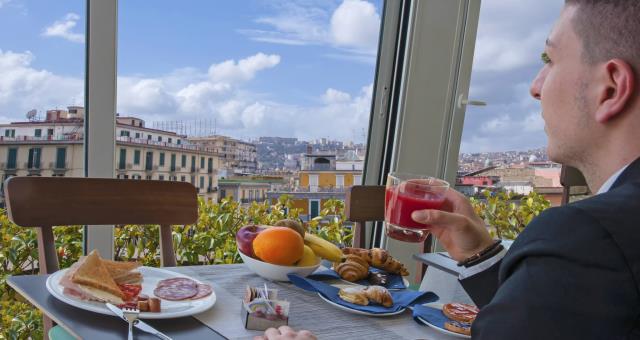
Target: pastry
{"type": "Point", "coordinates": [380, 295]}
{"type": "Point", "coordinates": [378, 279]}
{"type": "Point", "coordinates": [460, 312]}
{"type": "Point", "coordinates": [458, 327]}
{"type": "Point", "coordinates": [354, 295]}
{"type": "Point", "coordinates": [353, 269]}
{"type": "Point", "coordinates": [378, 258]}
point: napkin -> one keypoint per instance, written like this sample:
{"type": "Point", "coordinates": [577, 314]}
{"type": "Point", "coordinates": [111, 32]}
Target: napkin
{"type": "Point", "coordinates": [433, 315]}
{"type": "Point", "coordinates": [401, 299]}
{"type": "Point", "coordinates": [394, 282]}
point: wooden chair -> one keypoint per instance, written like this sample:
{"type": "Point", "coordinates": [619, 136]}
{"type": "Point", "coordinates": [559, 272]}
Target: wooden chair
{"type": "Point", "coordinates": [572, 178]}
{"type": "Point", "coordinates": [45, 202]}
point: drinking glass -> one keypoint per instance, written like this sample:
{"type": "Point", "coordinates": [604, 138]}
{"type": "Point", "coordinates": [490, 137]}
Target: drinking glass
{"type": "Point", "coordinates": [406, 193]}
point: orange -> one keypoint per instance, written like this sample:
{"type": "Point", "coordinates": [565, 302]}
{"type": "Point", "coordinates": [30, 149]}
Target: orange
{"type": "Point", "coordinates": [279, 245]}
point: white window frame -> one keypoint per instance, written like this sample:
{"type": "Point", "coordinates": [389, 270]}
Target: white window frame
{"type": "Point", "coordinates": [339, 181]}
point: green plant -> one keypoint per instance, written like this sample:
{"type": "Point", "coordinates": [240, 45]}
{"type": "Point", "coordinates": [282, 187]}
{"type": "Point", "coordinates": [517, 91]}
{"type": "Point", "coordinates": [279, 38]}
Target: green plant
{"type": "Point", "coordinates": [330, 224]}
{"type": "Point", "coordinates": [505, 215]}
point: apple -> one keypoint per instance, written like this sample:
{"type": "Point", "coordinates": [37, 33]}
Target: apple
{"type": "Point", "coordinates": [245, 237]}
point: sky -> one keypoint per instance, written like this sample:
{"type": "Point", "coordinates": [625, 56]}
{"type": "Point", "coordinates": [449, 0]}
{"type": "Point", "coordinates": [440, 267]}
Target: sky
{"type": "Point", "coordinates": [302, 68]}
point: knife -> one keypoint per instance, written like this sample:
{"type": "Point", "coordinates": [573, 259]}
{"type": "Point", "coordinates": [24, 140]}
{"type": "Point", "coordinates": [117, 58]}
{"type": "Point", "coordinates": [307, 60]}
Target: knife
{"type": "Point", "coordinates": [139, 324]}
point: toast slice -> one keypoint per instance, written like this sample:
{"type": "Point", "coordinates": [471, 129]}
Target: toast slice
{"type": "Point", "coordinates": [123, 272]}
{"type": "Point", "coordinates": [93, 274]}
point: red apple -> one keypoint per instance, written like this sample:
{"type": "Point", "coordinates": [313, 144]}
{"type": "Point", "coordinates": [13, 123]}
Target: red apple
{"type": "Point", "coordinates": [245, 237]}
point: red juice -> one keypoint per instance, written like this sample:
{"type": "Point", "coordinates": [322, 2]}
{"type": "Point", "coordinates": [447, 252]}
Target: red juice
{"type": "Point", "coordinates": [402, 200]}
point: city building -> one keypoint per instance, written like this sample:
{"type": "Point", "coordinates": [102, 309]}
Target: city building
{"type": "Point", "coordinates": [239, 157]}
{"type": "Point", "coordinates": [54, 147]}
{"type": "Point", "coordinates": [323, 176]}
{"type": "Point", "coordinates": [244, 189]}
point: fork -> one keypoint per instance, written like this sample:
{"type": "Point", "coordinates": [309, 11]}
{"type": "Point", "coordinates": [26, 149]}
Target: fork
{"type": "Point", "coordinates": [131, 314]}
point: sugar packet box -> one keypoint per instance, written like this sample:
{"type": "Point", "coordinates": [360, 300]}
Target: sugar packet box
{"type": "Point", "coordinates": [261, 310]}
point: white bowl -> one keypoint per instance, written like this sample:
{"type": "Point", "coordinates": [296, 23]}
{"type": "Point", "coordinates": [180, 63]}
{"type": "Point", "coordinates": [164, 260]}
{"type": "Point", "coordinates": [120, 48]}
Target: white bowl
{"type": "Point", "coordinates": [275, 272]}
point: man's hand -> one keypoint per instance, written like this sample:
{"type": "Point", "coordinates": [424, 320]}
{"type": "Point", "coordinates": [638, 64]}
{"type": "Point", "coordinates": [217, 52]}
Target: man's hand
{"type": "Point", "coordinates": [457, 226]}
{"type": "Point", "coordinates": [285, 333]}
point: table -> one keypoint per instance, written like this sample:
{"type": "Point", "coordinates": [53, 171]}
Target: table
{"type": "Point", "coordinates": [441, 261]}
{"type": "Point", "coordinates": [223, 320]}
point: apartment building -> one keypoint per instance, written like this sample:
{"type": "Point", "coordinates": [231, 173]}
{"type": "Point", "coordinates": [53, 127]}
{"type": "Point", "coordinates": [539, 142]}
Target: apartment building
{"type": "Point", "coordinates": [54, 147]}
{"type": "Point", "coordinates": [238, 157]}
{"type": "Point", "coordinates": [323, 176]}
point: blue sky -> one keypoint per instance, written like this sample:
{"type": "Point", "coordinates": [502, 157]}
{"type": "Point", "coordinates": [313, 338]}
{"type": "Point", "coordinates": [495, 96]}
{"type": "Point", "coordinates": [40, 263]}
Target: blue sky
{"type": "Point", "coordinates": [300, 68]}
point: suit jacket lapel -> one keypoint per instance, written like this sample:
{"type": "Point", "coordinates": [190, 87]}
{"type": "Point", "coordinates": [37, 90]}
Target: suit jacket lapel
{"type": "Point", "coordinates": [631, 173]}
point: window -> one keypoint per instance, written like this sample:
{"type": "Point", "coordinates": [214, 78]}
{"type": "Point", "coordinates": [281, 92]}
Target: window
{"type": "Point", "coordinates": [12, 156]}
{"type": "Point", "coordinates": [161, 160]}
{"type": "Point", "coordinates": [61, 158]}
{"type": "Point", "coordinates": [148, 137]}
{"type": "Point", "coordinates": [136, 157]}
{"type": "Point", "coordinates": [183, 178]}
{"type": "Point", "coordinates": [314, 208]}
{"type": "Point", "coordinates": [339, 181]}
{"type": "Point", "coordinates": [210, 165]}
{"type": "Point", "coordinates": [169, 141]}
{"type": "Point", "coordinates": [201, 182]}
{"type": "Point", "coordinates": [193, 163]}
{"type": "Point", "coordinates": [357, 180]}
{"type": "Point", "coordinates": [161, 177]}
{"type": "Point", "coordinates": [149, 177]}
{"type": "Point", "coordinates": [178, 142]}
{"type": "Point", "coordinates": [193, 180]}
{"type": "Point", "coordinates": [38, 133]}
{"type": "Point", "coordinates": [173, 162]}
{"type": "Point", "coordinates": [49, 132]}
{"type": "Point", "coordinates": [184, 161]}
{"type": "Point", "coordinates": [138, 135]}
{"type": "Point", "coordinates": [34, 158]}
{"type": "Point", "coordinates": [201, 162]}
{"type": "Point", "coordinates": [10, 133]}
{"type": "Point", "coordinates": [124, 133]}
{"type": "Point", "coordinates": [148, 164]}
{"type": "Point", "coordinates": [159, 138]}
{"type": "Point", "coordinates": [122, 160]}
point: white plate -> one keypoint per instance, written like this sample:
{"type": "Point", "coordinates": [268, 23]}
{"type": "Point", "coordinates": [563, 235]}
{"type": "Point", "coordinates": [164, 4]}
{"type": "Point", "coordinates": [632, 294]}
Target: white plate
{"type": "Point", "coordinates": [355, 311]}
{"type": "Point", "coordinates": [151, 276]}
{"type": "Point", "coordinates": [438, 329]}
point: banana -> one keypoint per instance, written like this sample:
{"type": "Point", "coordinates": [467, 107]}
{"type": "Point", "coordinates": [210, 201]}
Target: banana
{"type": "Point", "coordinates": [323, 248]}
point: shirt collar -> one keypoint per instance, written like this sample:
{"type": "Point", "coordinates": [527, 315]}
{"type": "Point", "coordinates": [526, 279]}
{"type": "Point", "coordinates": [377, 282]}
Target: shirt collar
{"type": "Point", "coordinates": [607, 185]}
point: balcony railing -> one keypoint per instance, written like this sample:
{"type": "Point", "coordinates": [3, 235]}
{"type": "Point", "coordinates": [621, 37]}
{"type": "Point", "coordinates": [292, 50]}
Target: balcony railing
{"type": "Point", "coordinates": [311, 189]}
{"type": "Point", "coordinates": [191, 147]}
{"type": "Point", "coordinates": [31, 139]}
{"type": "Point", "coordinates": [249, 200]}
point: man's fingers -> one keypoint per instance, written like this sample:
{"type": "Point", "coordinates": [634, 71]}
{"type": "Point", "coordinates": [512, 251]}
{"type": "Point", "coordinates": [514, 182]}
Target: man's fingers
{"type": "Point", "coordinates": [271, 333]}
{"type": "Point", "coordinates": [439, 218]}
{"type": "Point", "coordinates": [286, 330]}
{"type": "Point", "coordinates": [305, 334]}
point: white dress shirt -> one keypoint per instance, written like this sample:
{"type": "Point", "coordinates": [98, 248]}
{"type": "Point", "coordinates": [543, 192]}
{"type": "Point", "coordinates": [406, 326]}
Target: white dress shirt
{"type": "Point", "coordinates": [484, 265]}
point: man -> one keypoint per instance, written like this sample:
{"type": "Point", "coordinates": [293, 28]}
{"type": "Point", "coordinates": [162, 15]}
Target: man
{"type": "Point", "coordinates": [574, 273]}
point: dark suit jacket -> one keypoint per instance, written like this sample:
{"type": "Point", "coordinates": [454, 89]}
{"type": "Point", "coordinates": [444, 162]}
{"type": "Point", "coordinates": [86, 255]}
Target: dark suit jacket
{"type": "Point", "coordinates": [573, 273]}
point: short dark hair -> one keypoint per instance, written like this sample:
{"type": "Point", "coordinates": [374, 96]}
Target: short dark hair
{"type": "Point", "coordinates": [608, 29]}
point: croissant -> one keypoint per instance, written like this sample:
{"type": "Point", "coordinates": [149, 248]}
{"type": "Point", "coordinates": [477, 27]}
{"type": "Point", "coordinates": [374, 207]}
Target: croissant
{"type": "Point", "coordinates": [353, 269]}
{"type": "Point", "coordinates": [379, 258]}
{"type": "Point", "coordinates": [379, 295]}
{"type": "Point", "coordinates": [354, 295]}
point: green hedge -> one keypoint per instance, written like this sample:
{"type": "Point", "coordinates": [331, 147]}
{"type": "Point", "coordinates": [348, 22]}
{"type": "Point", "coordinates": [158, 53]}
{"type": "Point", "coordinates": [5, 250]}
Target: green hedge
{"type": "Point", "coordinates": [210, 241]}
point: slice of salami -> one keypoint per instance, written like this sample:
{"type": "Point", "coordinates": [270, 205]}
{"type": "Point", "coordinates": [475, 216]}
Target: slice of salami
{"type": "Point", "coordinates": [177, 280]}
{"type": "Point", "coordinates": [203, 291]}
{"type": "Point", "coordinates": [176, 291]}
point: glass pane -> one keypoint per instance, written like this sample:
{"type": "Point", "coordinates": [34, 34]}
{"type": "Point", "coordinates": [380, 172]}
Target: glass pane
{"type": "Point", "coordinates": [257, 88]}
{"type": "Point", "coordinates": [503, 143]}
{"type": "Point", "coordinates": [42, 66]}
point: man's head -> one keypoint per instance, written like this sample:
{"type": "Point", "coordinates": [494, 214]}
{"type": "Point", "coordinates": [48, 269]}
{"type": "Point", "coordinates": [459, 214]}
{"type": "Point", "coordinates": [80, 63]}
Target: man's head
{"type": "Point", "coordinates": [588, 83]}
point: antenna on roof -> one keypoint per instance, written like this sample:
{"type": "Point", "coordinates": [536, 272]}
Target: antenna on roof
{"type": "Point", "coordinates": [31, 115]}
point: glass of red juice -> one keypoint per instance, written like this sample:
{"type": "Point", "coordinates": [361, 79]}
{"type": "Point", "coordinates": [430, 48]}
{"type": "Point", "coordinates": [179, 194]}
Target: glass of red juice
{"type": "Point", "coordinates": [406, 193]}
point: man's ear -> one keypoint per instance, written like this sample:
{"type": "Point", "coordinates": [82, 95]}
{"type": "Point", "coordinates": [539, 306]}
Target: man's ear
{"type": "Point", "coordinates": [616, 90]}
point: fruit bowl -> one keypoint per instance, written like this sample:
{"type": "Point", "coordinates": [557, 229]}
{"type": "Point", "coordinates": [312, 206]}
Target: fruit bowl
{"type": "Point", "coordinates": [275, 272]}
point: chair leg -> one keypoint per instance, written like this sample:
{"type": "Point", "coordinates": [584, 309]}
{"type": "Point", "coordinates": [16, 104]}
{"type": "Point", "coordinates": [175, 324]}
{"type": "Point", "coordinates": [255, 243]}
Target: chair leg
{"type": "Point", "coordinates": [47, 325]}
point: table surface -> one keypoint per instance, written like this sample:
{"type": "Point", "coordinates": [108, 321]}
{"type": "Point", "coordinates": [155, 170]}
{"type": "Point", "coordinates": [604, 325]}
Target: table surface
{"type": "Point", "coordinates": [441, 261]}
{"type": "Point", "coordinates": [308, 311]}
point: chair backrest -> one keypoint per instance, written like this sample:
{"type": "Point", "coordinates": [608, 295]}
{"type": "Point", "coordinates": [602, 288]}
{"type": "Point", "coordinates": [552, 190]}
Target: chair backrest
{"type": "Point", "coordinates": [571, 178]}
{"type": "Point", "coordinates": [45, 202]}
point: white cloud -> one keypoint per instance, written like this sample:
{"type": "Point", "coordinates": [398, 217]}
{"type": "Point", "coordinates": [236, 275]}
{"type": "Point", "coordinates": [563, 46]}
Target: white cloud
{"type": "Point", "coordinates": [4, 2]}
{"type": "Point", "coordinates": [243, 70]}
{"type": "Point", "coordinates": [334, 96]}
{"type": "Point", "coordinates": [22, 87]}
{"type": "Point", "coordinates": [352, 27]}
{"type": "Point", "coordinates": [356, 23]}
{"type": "Point", "coordinates": [63, 29]}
